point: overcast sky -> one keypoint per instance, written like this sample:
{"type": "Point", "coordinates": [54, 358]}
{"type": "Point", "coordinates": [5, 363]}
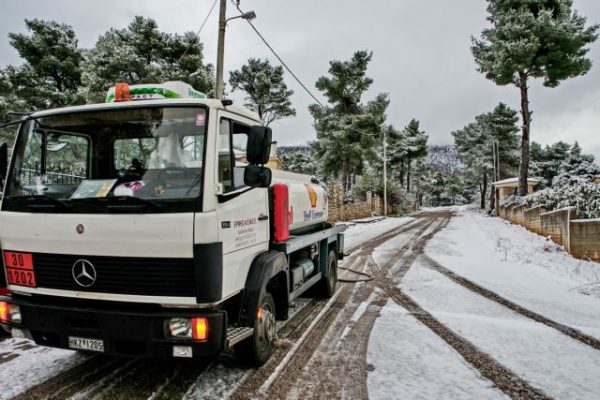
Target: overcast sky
{"type": "Point", "coordinates": [421, 56]}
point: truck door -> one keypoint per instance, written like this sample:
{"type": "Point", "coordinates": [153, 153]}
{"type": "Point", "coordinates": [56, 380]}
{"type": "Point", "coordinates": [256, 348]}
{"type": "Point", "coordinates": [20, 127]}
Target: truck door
{"type": "Point", "coordinates": [243, 213]}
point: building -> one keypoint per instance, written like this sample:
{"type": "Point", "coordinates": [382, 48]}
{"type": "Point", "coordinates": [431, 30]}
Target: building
{"type": "Point", "coordinates": [509, 187]}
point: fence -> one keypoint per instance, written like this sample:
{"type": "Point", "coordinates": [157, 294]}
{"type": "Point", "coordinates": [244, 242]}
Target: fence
{"type": "Point", "coordinates": [54, 176]}
{"type": "Point", "coordinates": [581, 238]}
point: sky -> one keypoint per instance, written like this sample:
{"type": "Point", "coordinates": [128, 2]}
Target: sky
{"type": "Point", "coordinates": [421, 56]}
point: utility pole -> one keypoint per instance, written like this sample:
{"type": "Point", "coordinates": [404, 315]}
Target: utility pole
{"type": "Point", "coordinates": [221, 50]}
{"type": "Point", "coordinates": [384, 174]}
{"type": "Point", "coordinates": [496, 159]}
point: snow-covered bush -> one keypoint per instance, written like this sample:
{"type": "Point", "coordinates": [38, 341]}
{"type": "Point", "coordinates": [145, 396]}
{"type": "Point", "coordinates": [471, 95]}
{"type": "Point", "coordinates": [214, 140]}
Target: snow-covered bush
{"type": "Point", "coordinates": [582, 172]}
{"type": "Point", "coordinates": [583, 195]}
{"type": "Point", "coordinates": [513, 200]}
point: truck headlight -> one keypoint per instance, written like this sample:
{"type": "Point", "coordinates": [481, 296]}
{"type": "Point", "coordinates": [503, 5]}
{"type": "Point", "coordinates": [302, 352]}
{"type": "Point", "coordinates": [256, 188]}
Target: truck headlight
{"type": "Point", "coordinates": [10, 313]}
{"type": "Point", "coordinates": [180, 328]}
{"type": "Point", "coordinates": [189, 328]}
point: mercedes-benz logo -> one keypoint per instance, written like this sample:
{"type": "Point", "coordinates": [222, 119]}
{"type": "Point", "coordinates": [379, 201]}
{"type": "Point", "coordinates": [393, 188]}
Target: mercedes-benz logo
{"type": "Point", "coordinates": [84, 273]}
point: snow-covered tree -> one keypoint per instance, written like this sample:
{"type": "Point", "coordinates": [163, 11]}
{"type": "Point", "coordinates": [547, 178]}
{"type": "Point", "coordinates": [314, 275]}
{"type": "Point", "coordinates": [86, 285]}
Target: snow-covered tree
{"type": "Point", "coordinates": [51, 73]}
{"type": "Point", "coordinates": [299, 162]}
{"type": "Point", "coordinates": [143, 54]}
{"type": "Point", "coordinates": [531, 39]}
{"type": "Point", "coordinates": [416, 146]}
{"type": "Point", "coordinates": [584, 196]}
{"type": "Point", "coordinates": [474, 144]}
{"type": "Point", "coordinates": [267, 92]}
{"type": "Point", "coordinates": [557, 158]}
{"type": "Point", "coordinates": [576, 168]}
{"type": "Point", "coordinates": [348, 130]}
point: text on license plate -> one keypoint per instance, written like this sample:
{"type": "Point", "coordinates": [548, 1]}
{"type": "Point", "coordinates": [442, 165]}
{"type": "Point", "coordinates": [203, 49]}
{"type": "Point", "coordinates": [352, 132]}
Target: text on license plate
{"type": "Point", "coordinates": [86, 344]}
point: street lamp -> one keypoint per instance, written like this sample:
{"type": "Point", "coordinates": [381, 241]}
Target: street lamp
{"type": "Point", "coordinates": [221, 45]}
{"type": "Point", "coordinates": [250, 15]}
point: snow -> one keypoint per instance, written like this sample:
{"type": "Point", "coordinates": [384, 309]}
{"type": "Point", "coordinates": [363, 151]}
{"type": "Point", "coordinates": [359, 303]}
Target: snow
{"type": "Point", "coordinates": [33, 365]}
{"type": "Point", "coordinates": [360, 310]}
{"type": "Point", "coordinates": [553, 362]}
{"type": "Point", "coordinates": [410, 360]}
{"type": "Point", "coordinates": [538, 274]}
{"type": "Point", "coordinates": [355, 235]}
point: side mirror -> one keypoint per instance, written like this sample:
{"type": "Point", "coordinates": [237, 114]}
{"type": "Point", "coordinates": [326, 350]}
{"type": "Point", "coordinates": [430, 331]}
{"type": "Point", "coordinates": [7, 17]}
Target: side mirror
{"type": "Point", "coordinates": [3, 162]}
{"type": "Point", "coordinates": [255, 176]}
{"type": "Point", "coordinates": [258, 149]}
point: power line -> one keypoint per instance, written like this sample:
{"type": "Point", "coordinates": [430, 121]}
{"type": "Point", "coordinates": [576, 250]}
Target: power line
{"type": "Point", "coordinates": [201, 27]}
{"type": "Point", "coordinates": [237, 4]}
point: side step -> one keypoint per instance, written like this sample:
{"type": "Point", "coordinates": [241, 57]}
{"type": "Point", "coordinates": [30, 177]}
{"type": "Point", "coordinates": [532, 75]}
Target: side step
{"type": "Point", "coordinates": [237, 334]}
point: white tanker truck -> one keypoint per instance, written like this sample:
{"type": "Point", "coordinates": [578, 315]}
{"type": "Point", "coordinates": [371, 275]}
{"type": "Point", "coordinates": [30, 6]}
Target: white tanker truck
{"type": "Point", "coordinates": [149, 226]}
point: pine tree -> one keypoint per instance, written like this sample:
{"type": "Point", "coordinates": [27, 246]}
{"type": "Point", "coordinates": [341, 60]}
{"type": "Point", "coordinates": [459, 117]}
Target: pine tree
{"type": "Point", "coordinates": [531, 39]}
{"type": "Point", "coordinates": [143, 54]}
{"type": "Point", "coordinates": [576, 168]}
{"type": "Point", "coordinates": [51, 74]}
{"type": "Point", "coordinates": [416, 146]}
{"type": "Point", "coordinates": [347, 129]}
{"type": "Point", "coordinates": [299, 162]}
{"type": "Point", "coordinates": [267, 92]}
{"type": "Point", "coordinates": [474, 144]}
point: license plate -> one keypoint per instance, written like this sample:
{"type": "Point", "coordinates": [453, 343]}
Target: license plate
{"type": "Point", "coordinates": [78, 343]}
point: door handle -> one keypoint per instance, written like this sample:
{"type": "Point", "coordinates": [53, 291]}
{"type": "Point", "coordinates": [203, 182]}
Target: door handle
{"type": "Point", "coordinates": [263, 217]}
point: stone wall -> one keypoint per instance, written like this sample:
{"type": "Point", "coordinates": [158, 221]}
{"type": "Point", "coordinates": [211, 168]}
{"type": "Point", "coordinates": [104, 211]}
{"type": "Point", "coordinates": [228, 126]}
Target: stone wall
{"type": "Point", "coordinates": [556, 225]}
{"type": "Point", "coordinates": [532, 219]}
{"type": "Point", "coordinates": [340, 211]}
{"type": "Point", "coordinates": [581, 238]}
{"type": "Point", "coordinates": [515, 214]}
{"type": "Point", "coordinates": [585, 239]}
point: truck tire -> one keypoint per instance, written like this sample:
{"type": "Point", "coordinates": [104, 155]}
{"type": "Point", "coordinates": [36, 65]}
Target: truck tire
{"type": "Point", "coordinates": [326, 287]}
{"type": "Point", "coordinates": [258, 348]}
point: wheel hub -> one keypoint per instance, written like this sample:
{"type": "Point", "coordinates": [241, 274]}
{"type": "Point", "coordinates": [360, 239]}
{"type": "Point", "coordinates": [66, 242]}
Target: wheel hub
{"type": "Point", "coordinates": [267, 325]}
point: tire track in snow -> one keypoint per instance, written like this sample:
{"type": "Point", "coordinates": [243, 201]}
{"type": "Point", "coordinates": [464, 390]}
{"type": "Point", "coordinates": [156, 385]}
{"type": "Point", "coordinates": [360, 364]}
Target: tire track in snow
{"type": "Point", "coordinates": [474, 287]}
{"type": "Point", "coordinates": [75, 379]}
{"type": "Point", "coordinates": [334, 365]}
{"type": "Point", "coordinates": [503, 378]}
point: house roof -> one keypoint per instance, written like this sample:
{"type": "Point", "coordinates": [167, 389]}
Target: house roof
{"type": "Point", "coordinates": [514, 182]}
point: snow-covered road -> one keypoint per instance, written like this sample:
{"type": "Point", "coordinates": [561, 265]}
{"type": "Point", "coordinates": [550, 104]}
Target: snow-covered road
{"type": "Point", "coordinates": [537, 278]}
{"type": "Point", "coordinates": [460, 306]}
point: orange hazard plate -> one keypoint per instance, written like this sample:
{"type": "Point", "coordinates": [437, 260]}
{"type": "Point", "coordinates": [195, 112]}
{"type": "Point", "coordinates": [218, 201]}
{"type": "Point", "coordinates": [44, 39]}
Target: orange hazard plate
{"type": "Point", "coordinates": [21, 277]}
{"type": "Point", "coordinates": [18, 260]}
{"type": "Point", "coordinates": [19, 268]}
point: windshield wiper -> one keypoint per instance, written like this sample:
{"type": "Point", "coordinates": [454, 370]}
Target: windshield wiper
{"type": "Point", "coordinates": [129, 202]}
{"type": "Point", "coordinates": [119, 202]}
{"type": "Point", "coordinates": [33, 201]}
{"type": "Point", "coordinates": [196, 182]}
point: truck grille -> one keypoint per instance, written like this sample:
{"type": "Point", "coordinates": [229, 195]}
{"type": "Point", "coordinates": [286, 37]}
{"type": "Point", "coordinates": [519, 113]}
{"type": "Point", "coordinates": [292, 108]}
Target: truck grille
{"type": "Point", "coordinates": [119, 275]}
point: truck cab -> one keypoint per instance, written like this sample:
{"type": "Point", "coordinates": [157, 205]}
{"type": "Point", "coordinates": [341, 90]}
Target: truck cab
{"type": "Point", "coordinates": [149, 226]}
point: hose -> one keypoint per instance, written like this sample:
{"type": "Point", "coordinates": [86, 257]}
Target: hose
{"type": "Point", "coordinates": [368, 278]}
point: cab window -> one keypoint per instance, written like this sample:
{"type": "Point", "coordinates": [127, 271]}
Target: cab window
{"type": "Point", "coordinates": [233, 140]}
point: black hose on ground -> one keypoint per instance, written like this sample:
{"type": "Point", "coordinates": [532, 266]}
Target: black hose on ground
{"type": "Point", "coordinates": [368, 278]}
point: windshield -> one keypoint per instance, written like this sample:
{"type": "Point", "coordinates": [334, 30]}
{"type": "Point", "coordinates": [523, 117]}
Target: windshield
{"type": "Point", "coordinates": [127, 157]}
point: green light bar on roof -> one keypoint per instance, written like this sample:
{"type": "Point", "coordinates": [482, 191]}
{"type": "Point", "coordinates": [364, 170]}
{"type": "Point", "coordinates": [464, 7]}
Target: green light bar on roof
{"type": "Point", "coordinates": [167, 90]}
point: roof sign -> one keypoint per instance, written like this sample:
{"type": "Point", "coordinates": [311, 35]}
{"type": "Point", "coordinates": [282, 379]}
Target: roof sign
{"type": "Point", "coordinates": [167, 90]}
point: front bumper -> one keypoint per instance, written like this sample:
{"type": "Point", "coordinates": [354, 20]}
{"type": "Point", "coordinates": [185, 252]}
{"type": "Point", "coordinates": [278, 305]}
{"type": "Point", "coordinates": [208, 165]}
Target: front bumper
{"type": "Point", "coordinates": [124, 332]}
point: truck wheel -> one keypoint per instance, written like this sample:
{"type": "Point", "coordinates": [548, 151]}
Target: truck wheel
{"type": "Point", "coordinates": [328, 283]}
{"type": "Point", "coordinates": [257, 349]}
